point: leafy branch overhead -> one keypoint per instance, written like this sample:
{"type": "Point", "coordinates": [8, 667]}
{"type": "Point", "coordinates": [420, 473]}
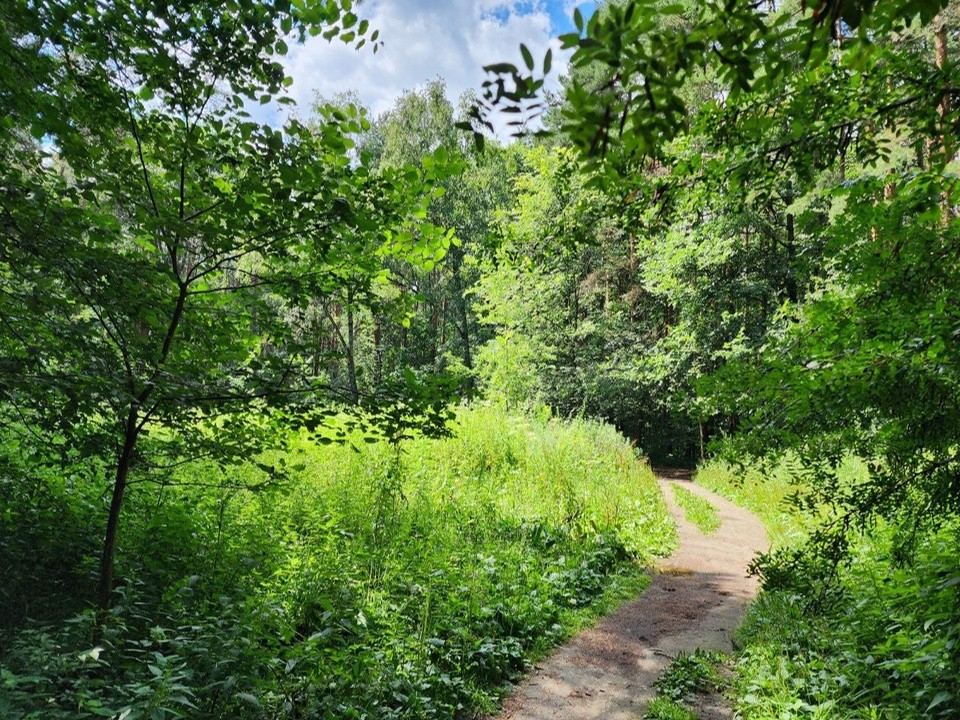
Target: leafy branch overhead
{"type": "Point", "coordinates": [646, 50]}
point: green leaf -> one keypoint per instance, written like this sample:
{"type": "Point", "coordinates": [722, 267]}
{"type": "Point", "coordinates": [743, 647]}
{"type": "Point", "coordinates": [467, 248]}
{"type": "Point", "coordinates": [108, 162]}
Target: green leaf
{"type": "Point", "coordinates": [527, 56]}
{"type": "Point", "coordinates": [501, 69]}
{"type": "Point", "coordinates": [249, 699]}
{"type": "Point", "coordinates": [938, 699]}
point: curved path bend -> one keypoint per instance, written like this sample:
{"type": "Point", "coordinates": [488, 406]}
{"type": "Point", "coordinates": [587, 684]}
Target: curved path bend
{"type": "Point", "coordinates": [696, 600]}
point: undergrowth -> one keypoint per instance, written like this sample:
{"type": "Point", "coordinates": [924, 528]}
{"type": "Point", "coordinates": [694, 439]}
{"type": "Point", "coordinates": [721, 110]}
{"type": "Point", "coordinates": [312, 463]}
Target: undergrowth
{"type": "Point", "coordinates": [887, 645]}
{"type": "Point", "coordinates": [370, 584]}
{"type": "Point", "coordinates": [882, 641]}
{"type": "Point", "coordinates": [766, 493]}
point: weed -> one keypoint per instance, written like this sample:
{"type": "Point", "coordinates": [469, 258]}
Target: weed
{"type": "Point", "coordinates": [367, 584]}
{"type": "Point", "coordinates": [765, 493]}
{"type": "Point", "coordinates": [884, 646]}
{"type": "Point", "coordinates": [690, 674]}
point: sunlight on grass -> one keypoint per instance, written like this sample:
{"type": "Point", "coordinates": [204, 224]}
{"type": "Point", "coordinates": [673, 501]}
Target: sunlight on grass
{"type": "Point", "coordinates": [370, 580]}
{"type": "Point", "coordinates": [697, 510]}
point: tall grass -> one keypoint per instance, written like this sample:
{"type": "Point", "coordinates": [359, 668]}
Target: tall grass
{"type": "Point", "coordinates": [763, 491]}
{"type": "Point", "coordinates": [371, 583]}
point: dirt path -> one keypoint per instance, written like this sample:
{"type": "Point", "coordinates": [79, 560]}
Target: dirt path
{"type": "Point", "coordinates": [696, 600]}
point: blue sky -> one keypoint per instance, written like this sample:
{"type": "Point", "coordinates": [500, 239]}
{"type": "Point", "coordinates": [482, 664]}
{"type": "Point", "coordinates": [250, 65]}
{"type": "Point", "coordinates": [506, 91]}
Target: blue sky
{"type": "Point", "coordinates": [561, 14]}
{"type": "Point", "coordinates": [426, 39]}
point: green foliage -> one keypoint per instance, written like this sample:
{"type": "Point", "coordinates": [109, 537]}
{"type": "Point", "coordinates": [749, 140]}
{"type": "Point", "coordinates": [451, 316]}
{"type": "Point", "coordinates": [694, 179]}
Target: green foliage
{"type": "Point", "coordinates": [689, 674]}
{"type": "Point", "coordinates": [421, 317]}
{"type": "Point", "coordinates": [791, 186]}
{"type": "Point", "coordinates": [663, 708]}
{"type": "Point", "coordinates": [764, 490]}
{"type": "Point", "coordinates": [873, 637]}
{"type": "Point", "coordinates": [884, 647]}
{"type": "Point", "coordinates": [779, 492]}
{"type": "Point", "coordinates": [697, 510]}
{"type": "Point", "coordinates": [158, 245]}
{"type": "Point", "coordinates": [366, 582]}
{"type": "Point", "coordinates": [567, 299]}
{"type": "Point", "coordinates": [46, 574]}
{"type": "Point", "coordinates": [635, 101]}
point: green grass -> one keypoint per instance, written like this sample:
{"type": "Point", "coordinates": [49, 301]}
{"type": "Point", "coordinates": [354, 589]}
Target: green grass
{"type": "Point", "coordinates": [665, 709]}
{"type": "Point", "coordinates": [367, 584]}
{"type": "Point", "coordinates": [883, 646]}
{"type": "Point", "coordinates": [767, 492]}
{"type": "Point", "coordinates": [764, 493]}
{"type": "Point", "coordinates": [697, 510]}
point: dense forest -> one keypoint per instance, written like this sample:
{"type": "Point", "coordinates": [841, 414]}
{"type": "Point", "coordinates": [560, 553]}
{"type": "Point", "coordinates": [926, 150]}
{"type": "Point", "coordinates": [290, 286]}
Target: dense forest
{"type": "Point", "coordinates": [353, 415]}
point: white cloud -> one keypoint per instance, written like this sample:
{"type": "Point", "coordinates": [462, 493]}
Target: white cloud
{"type": "Point", "coordinates": [423, 40]}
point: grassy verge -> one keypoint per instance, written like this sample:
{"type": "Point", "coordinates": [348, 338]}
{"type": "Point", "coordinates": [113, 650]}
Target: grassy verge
{"type": "Point", "coordinates": [881, 642]}
{"type": "Point", "coordinates": [697, 510]}
{"type": "Point", "coordinates": [370, 583]}
{"type": "Point", "coordinates": [765, 493]}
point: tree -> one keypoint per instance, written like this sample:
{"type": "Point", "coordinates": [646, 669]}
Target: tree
{"type": "Point", "coordinates": [155, 238]}
{"type": "Point", "coordinates": [438, 330]}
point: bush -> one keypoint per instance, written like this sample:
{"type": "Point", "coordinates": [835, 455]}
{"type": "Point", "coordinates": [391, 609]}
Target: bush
{"type": "Point", "coordinates": [888, 645]}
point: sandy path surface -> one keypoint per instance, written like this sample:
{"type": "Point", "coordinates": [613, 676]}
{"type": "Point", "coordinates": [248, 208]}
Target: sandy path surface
{"type": "Point", "coordinates": [697, 598]}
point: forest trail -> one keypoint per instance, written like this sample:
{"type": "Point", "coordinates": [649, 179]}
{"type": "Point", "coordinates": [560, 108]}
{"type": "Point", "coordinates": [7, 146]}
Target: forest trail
{"type": "Point", "coordinates": [696, 599]}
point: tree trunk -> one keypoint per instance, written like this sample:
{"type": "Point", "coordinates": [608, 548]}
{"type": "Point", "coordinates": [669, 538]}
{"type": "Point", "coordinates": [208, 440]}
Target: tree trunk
{"type": "Point", "coordinates": [351, 351]}
{"type": "Point", "coordinates": [792, 292]}
{"type": "Point", "coordinates": [131, 432]}
{"type": "Point", "coordinates": [377, 352]}
{"type": "Point", "coordinates": [105, 581]}
{"type": "Point", "coordinates": [464, 317]}
{"type": "Point", "coordinates": [943, 107]}
{"type": "Point", "coordinates": [943, 111]}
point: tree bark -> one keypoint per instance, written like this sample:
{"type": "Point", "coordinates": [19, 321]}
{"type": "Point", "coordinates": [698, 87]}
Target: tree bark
{"type": "Point", "coordinates": [377, 352]}
{"type": "Point", "coordinates": [943, 107]}
{"type": "Point", "coordinates": [351, 351]}
{"type": "Point", "coordinates": [105, 581]}
{"type": "Point", "coordinates": [464, 317]}
{"type": "Point", "coordinates": [792, 291]}
{"type": "Point", "coordinates": [131, 433]}
{"type": "Point", "coordinates": [943, 111]}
